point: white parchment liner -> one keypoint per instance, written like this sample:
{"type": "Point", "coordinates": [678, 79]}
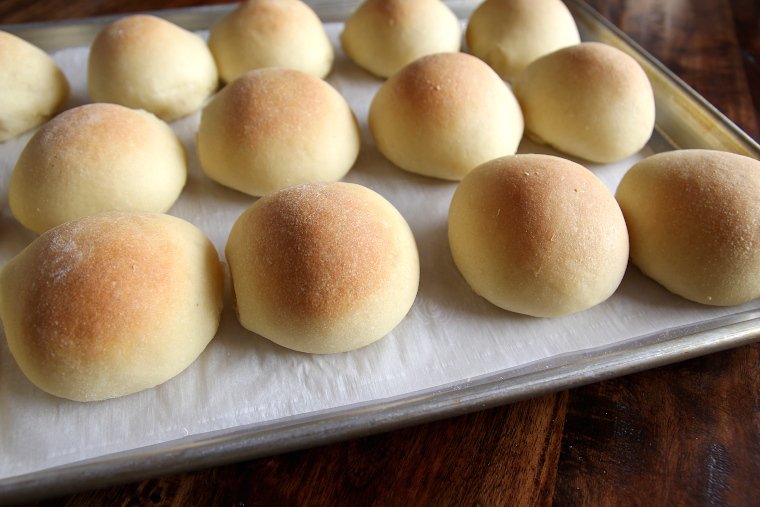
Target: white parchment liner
{"type": "Point", "coordinates": [449, 336]}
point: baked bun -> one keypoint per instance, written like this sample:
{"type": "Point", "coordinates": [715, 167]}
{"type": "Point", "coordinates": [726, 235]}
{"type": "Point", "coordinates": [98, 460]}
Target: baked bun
{"type": "Point", "coordinates": [445, 114]}
{"type": "Point", "coordinates": [590, 100]}
{"type": "Point", "coordinates": [510, 34]}
{"type": "Point", "coordinates": [273, 128]}
{"type": "Point", "coordinates": [270, 33]}
{"type": "Point", "coordinates": [33, 86]}
{"type": "Point", "coordinates": [381, 36]}
{"type": "Point", "coordinates": [94, 158]}
{"type": "Point", "coordinates": [694, 221]}
{"type": "Point", "coordinates": [145, 62]}
{"type": "Point", "coordinates": [112, 304]}
{"type": "Point", "coordinates": [538, 235]}
{"type": "Point", "coordinates": [322, 268]}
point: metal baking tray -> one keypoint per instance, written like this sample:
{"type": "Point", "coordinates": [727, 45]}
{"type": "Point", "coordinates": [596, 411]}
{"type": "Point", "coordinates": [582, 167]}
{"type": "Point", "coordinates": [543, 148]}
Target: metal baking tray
{"type": "Point", "coordinates": [684, 119]}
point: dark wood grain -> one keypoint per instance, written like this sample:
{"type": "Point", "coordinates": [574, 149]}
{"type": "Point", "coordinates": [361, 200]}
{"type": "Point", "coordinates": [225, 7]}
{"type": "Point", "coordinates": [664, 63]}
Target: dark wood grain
{"type": "Point", "coordinates": [687, 434]}
{"type": "Point", "coordinates": [684, 435]}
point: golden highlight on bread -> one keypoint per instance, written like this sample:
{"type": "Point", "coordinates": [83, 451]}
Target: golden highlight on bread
{"type": "Point", "coordinates": [95, 158]}
{"type": "Point", "coordinates": [145, 62]}
{"type": "Point", "coordinates": [109, 305]}
{"type": "Point", "coordinates": [538, 235]}
{"type": "Point", "coordinates": [270, 33]}
{"type": "Point", "coordinates": [694, 221]}
{"type": "Point", "coordinates": [590, 100]}
{"type": "Point", "coordinates": [273, 128]}
{"type": "Point", "coordinates": [445, 114]}
{"type": "Point", "coordinates": [382, 36]}
{"type": "Point", "coordinates": [322, 268]}
{"type": "Point", "coordinates": [33, 86]}
{"type": "Point", "coordinates": [510, 34]}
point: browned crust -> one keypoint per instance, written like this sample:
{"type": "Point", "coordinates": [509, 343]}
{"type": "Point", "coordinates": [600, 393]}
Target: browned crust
{"type": "Point", "coordinates": [270, 103]}
{"type": "Point", "coordinates": [91, 280]}
{"type": "Point", "coordinates": [318, 250]}
{"type": "Point", "coordinates": [694, 222]}
{"type": "Point", "coordinates": [436, 86]}
{"type": "Point", "coordinates": [545, 208]}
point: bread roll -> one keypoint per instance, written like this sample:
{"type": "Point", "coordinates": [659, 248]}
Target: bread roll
{"type": "Point", "coordinates": [112, 304]}
{"type": "Point", "coordinates": [94, 158]}
{"type": "Point", "coordinates": [381, 36]}
{"type": "Point", "coordinates": [694, 222]}
{"type": "Point", "coordinates": [538, 235]}
{"type": "Point", "coordinates": [445, 114]}
{"type": "Point", "coordinates": [322, 268]}
{"type": "Point", "coordinates": [510, 34]}
{"type": "Point", "coordinates": [270, 33]}
{"type": "Point", "coordinates": [145, 62]}
{"type": "Point", "coordinates": [33, 87]}
{"type": "Point", "coordinates": [273, 128]}
{"type": "Point", "coordinates": [590, 100]}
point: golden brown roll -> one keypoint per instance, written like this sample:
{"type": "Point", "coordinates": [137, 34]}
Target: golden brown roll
{"type": "Point", "coordinates": [145, 62]}
{"type": "Point", "coordinates": [112, 304]}
{"type": "Point", "coordinates": [510, 34]}
{"type": "Point", "coordinates": [694, 221]}
{"type": "Point", "coordinates": [538, 235]}
{"type": "Point", "coordinates": [94, 158]}
{"type": "Point", "coordinates": [590, 100]}
{"type": "Point", "coordinates": [270, 33]}
{"type": "Point", "coordinates": [33, 86]}
{"type": "Point", "coordinates": [381, 36]}
{"type": "Point", "coordinates": [273, 128]}
{"type": "Point", "coordinates": [322, 268]}
{"type": "Point", "coordinates": [445, 114]}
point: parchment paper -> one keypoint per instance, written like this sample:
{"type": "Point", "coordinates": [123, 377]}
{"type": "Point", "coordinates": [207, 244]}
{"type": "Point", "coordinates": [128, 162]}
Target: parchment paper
{"type": "Point", "coordinates": [449, 336]}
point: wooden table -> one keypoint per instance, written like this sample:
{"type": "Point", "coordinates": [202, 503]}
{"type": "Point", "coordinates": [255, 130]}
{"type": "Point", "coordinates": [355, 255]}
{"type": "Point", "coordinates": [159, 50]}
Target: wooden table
{"type": "Point", "coordinates": [682, 434]}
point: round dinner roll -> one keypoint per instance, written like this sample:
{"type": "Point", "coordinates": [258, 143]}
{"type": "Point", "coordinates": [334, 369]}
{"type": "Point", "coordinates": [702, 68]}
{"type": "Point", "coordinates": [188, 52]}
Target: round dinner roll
{"type": "Point", "coordinates": [322, 267]}
{"type": "Point", "coordinates": [381, 36]}
{"type": "Point", "coordinates": [273, 128]}
{"type": "Point", "coordinates": [270, 33]}
{"type": "Point", "coordinates": [95, 158]}
{"type": "Point", "coordinates": [510, 34]}
{"type": "Point", "coordinates": [145, 62]}
{"type": "Point", "coordinates": [109, 305]}
{"type": "Point", "coordinates": [538, 235]}
{"type": "Point", "coordinates": [33, 86]}
{"type": "Point", "coordinates": [694, 221]}
{"type": "Point", "coordinates": [445, 114]}
{"type": "Point", "coordinates": [590, 100]}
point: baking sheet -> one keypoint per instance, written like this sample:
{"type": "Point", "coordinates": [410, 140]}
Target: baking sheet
{"type": "Point", "coordinates": [246, 396]}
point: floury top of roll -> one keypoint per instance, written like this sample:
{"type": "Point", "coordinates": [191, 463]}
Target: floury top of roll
{"type": "Point", "coordinates": [111, 304]}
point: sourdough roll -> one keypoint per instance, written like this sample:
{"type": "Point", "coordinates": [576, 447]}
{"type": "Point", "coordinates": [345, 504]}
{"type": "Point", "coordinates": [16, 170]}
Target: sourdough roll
{"type": "Point", "coordinates": [109, 305]}
{"type": "Point", "coordinates": [94, 158]}
{"type": "Point", "coordinates": [270, 33]}
{"type": "Point", "coordinates": [322, 267]}
{"type": "Point", "coordinates": [33, 86]}
{"type": "Point", "coordinates": [381, 36]}
{"type": "Point", "coordinates": [273, 128]}
{"type": "Point", "coordinates": [538, 235]}
{"type": "Point", "coordinates": [510, 34]}
{"type": "Point", "coordinates": [445, 114]}
{"type": "Point", "coordinates": [145, 62]}
{"type": "Point", "coordinates": [590, 100]}
{"type": "Point", "coordinates": [694, 222]}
